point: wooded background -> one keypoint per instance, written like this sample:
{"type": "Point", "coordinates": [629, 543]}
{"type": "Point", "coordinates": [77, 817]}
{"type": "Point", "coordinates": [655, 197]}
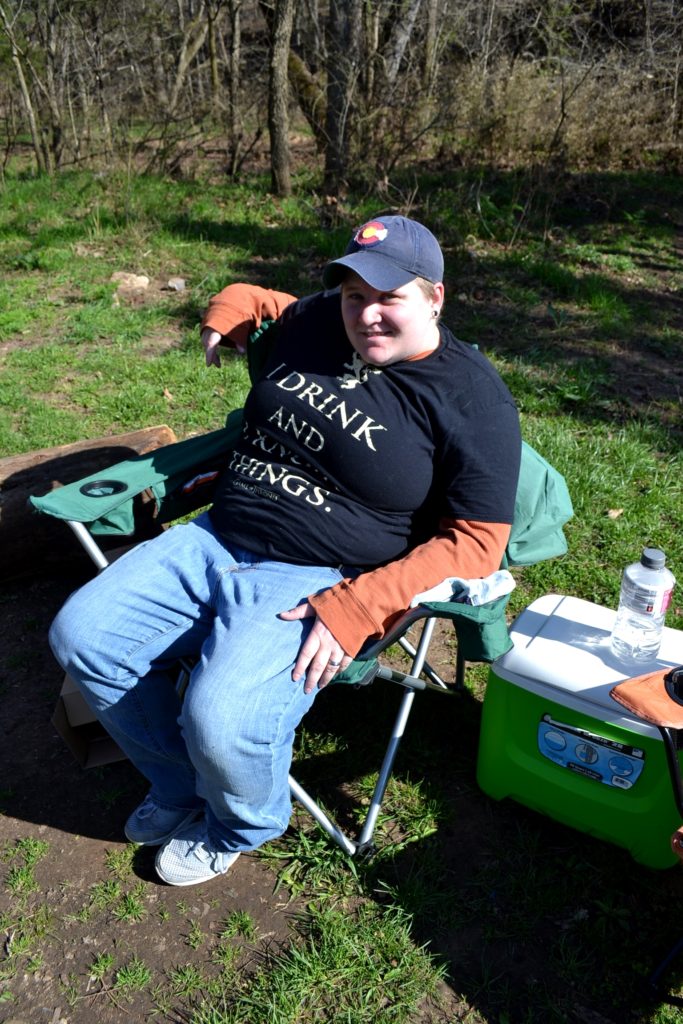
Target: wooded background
{"type": "Point", "coordinates": [362, 86]}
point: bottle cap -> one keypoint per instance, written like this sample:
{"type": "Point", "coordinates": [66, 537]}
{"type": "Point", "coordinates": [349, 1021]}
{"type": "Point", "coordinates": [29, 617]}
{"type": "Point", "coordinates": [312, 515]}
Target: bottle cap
{"type": "Point", "coordinates": [653, 558]}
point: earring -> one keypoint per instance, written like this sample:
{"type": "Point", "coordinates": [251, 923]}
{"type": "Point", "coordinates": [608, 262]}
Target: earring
{"type": "Point", "coordinates": [435, 312]}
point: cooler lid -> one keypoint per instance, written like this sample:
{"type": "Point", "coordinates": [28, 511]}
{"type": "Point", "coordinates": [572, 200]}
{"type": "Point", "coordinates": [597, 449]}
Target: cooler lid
{"type": "Point", "coordinates": [563, 642]}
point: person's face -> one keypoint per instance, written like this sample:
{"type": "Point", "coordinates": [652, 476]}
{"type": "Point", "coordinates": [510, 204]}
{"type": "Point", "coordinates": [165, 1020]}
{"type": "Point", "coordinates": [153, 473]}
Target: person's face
{"type": "Point", "coordinates": [385, 327]}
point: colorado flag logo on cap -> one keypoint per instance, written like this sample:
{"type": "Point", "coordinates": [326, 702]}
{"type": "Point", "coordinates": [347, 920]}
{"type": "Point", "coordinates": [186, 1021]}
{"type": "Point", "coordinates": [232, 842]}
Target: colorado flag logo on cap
{"type": "Point", "coordinates": [371, 233]}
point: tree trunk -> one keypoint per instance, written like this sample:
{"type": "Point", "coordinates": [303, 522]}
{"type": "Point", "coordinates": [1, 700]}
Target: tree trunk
{"type": "Point", "coordinates": [278, 98]}
{"type": "Point", "coordinates": [51, 86]}
{"type": "Point", "coordinates": [342, 50]}
{"type": "Point", "coordinates": [193, 39]}
{"type": "Point", "coordinates": [310, 97]}
{"type": "Point", "coordinates": [213, 15]}
{"type": "Point", "coordinates": [99, 72]}
{"type": "Point", "coordinates": [430, 51]}
{"type": "Point", "coordinates": [157, 69]}
{"type": "Point", "coordinates": [399, 36]}
{"type": "Point", "coordinates": [369, 72]}
{"type": "Point", "coordinates": [234, 130]}
{"type": "Point", "coordinates": [25, 94]}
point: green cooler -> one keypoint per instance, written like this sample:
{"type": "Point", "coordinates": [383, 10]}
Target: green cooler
{"type": "Point", "coordinates": [552, 737]}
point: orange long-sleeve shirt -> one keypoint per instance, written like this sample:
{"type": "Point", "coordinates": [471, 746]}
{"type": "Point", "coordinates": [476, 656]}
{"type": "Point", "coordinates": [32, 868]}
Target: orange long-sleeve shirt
{"type": "Point", "coordinates": [238, 310]}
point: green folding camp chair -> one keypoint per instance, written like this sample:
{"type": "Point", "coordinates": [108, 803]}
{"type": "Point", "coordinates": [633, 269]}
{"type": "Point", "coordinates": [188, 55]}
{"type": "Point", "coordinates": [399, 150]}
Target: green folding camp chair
{"type": "Point", "coordinates": [178, 479]}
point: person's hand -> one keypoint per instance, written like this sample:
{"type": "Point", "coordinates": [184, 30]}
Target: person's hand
{"type": "Point", "coordinates": [321, 656]}
{"type": "Point", "coordinates": [211, 340]}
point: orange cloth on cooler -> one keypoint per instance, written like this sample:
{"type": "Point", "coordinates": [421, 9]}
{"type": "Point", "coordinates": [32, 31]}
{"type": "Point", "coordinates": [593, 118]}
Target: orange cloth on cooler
{"type": "Point", "coordinates": [647, 698]}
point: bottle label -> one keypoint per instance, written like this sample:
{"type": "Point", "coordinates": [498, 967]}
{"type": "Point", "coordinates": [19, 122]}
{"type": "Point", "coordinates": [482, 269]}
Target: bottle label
{"type": "Point", "coordinates": [647, 600]}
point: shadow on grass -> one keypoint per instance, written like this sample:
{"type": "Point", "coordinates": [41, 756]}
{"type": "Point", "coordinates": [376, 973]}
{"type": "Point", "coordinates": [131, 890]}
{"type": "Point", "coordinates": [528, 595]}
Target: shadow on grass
{"type": "Point", "coordinates": [619, 323]}
{"type": "Point", "coordinates": [535, 922]}
{"type": "Point", "coordinates": [607, 350]}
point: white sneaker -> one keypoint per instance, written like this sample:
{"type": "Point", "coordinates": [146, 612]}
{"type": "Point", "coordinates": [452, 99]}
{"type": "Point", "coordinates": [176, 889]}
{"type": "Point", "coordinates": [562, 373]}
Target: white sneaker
{"type": "Point", "coordinates": [152, 825]}
{"type": "Point", "coordinates": [189, 857]}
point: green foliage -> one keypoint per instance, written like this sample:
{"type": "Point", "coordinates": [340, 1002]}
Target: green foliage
{"type": "Point", "coordinates": [101, 965]}
{"type": "Point", "coordinates": [186, 980]}
{"type": "Point", "coordinates": [239, 923]}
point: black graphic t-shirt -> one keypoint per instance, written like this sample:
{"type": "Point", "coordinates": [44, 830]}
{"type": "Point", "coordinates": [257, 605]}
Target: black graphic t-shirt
{"type": "Point", "coordinates": [341, 463]}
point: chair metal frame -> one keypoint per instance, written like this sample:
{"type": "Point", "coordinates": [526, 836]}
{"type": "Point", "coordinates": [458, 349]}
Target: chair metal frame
{"type": "Point", "coordinates": [542, 507]}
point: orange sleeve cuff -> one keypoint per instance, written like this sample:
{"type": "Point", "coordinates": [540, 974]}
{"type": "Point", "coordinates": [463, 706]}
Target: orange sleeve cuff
{"type": "Point", "coordinates": [238, 310]}
{"type": "Point", "coordinates": [355, 610]}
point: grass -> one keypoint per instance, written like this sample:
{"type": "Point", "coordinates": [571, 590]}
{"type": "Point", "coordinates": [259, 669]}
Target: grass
{"type": "Point", "coordinates": [24, 857]}
{"type": "Point", "coordinates": [579, 318]}
{"type": "Point", "coordinates": [29, 920]}
{"type": "Point", "coordinates": [358, 968]}
{"type": "Point", "coordinates": [133, 976]}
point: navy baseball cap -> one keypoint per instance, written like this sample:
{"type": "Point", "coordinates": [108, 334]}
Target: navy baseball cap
{"type": "Point", "coordinates": [388, 253]}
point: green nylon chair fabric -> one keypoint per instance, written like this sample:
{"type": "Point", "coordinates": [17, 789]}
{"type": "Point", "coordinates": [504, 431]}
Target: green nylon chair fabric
{"type": "Point", "coordinates": [179, 479]}
{"type": "Point", "coordinates": [542, 507]}
{"type": "Point", "coordinates": [481, 630]}
{"type": "Point", "coordinates": [172, 475]}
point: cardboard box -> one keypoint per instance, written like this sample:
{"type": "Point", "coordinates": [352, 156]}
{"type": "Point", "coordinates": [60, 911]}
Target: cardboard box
{"type": "Point", "coordinates": [87, 740]}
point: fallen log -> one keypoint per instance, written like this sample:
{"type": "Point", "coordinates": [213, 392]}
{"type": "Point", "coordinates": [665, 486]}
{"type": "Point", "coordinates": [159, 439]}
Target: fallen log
{"type": "Point", "coordinates": [29, 541]}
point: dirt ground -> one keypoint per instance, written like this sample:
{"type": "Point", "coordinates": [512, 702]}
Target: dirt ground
{"type": "Point", "coordinates": [79, 812]}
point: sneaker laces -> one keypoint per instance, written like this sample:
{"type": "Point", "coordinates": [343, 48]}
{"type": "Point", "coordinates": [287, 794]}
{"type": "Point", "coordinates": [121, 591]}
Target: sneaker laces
{"type": "Point", "coordinates": [202, 851]}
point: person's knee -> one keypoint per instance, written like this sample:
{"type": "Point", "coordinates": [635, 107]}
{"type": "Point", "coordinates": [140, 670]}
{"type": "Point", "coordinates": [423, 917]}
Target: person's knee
{"type": "Point", "coordinates": [208, 734]}
{"type": "Point", "coordinates": [61, 638]}
{"type": "Point", "coordinates": [230, 756]}
{"type": "Point", "coordinates": [217, 746]}
{"type": "Point", "coordinates": [71, 634]}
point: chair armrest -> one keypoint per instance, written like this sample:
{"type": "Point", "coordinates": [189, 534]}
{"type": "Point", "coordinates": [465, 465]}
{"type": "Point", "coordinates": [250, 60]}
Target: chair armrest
{"type": "Point", "coordinates": [178, 478]}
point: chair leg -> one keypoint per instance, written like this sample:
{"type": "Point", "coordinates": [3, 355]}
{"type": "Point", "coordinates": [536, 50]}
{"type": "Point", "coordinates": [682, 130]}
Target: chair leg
{"type": "Point", "coordinates": [365, 842]}
{"type": "Point", "coordinates": [431, 673]}
{"type": "Point", "coordinates": [90, 546]}
{"type": "Point", "coordinates": [671, 738]}
{"type": "Point", "coordinates": [365, 845]}
{"type": "Point", "coordinates": [654, 981]}
{"type": "Point", "coordinates": [342, 840]}
{"type": "Point", "coordinates": [460, 666]}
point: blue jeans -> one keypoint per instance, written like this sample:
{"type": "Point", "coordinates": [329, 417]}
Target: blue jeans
{"type": "Point", "coordinates": [228, 746]}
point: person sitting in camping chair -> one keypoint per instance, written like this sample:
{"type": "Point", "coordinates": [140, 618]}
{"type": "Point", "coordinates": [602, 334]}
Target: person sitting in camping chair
{"type": "Point", "coordinates": [378, 455]}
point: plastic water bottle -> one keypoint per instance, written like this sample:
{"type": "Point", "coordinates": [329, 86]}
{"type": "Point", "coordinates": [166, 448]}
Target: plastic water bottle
{"type": "Point", "coordinates": [646, 588]}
